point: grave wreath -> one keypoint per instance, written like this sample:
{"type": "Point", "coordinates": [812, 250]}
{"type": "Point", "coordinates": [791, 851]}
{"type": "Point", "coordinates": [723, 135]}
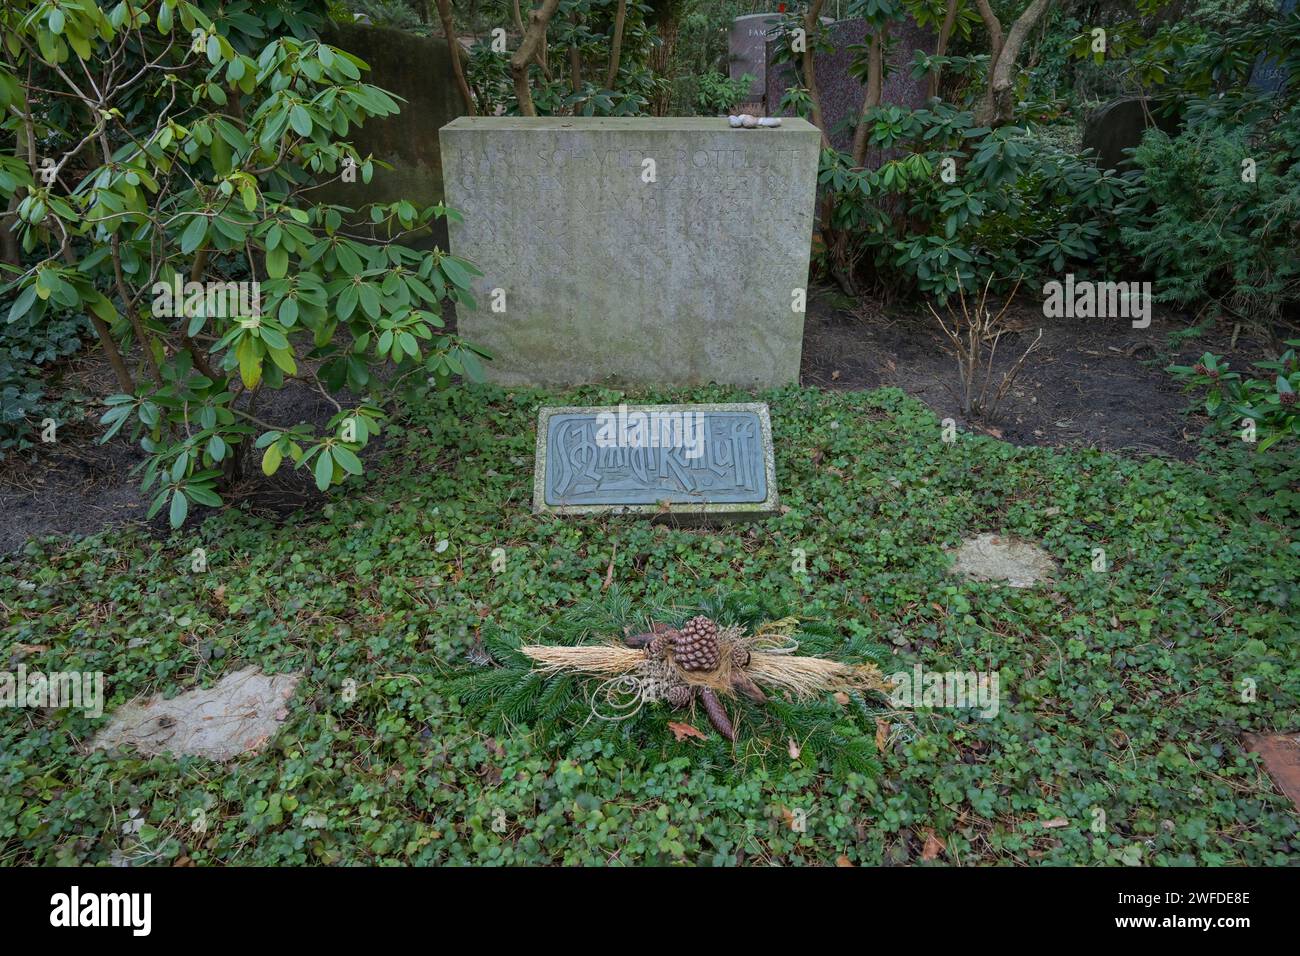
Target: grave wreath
{"type": "Point", "coordinates": [642, 679]}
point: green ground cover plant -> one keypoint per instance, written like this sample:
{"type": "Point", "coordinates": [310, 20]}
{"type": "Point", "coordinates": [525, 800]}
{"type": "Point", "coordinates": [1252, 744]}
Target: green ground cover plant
{"type": "Point", "coordinates": [1123, 691]}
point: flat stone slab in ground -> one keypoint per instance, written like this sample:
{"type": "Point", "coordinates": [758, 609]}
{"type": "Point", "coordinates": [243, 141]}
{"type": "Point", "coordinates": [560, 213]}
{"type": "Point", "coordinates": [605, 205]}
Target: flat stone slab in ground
{"type": "Point", "coordinates": [698, 461]}
{"type": "Point", "coordinates": [1002, 560]}
{"type": "Point", "coordinates": [238, 714]}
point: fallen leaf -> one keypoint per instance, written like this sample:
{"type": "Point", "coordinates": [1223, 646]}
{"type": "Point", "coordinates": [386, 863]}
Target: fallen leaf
{"type": "Point", "coordinates": [882, 734]}
{"type": "Point", "coordinates": [794, 749]}
{"type": "Point", "coordinates": [843, 860]}
{"type": "Point", "coordinates": [841, 698]}
{"type": "Point", "coordinates": [682, 731]}
{"type": "Point", "coordinates": [1055, 823]}
{"type": "Point", "coordinates": [933, 846]}
{"type": "Point", "coordinates": [22, 650]}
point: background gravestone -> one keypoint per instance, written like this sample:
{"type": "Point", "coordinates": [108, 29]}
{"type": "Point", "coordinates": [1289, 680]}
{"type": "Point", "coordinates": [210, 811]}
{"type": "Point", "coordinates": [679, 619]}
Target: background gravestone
{"type": "Point", "coordinates": [418, 70]}
{"type": "Point", "coordinates": [747, 50]}
{"type": "Point", "coordinates": [1269, 75]}
{"type": "Point", "coordinates": [1120, 125]}
{"type": "Point", "coordinates": [841, 92]}
{"type": "Point", "coordinates": [684, 280]}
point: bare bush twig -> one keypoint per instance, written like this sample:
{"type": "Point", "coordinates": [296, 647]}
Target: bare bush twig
{"type": "Point", "coordinates": [975, 336]}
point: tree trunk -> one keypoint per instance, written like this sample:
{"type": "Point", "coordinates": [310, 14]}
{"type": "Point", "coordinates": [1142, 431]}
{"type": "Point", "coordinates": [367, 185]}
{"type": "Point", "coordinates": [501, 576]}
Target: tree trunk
{"type": "Point", "coordinates": [617, 47]}
{"type": "Point", "coordinates": [533, 41]}
{"type": "Point", "coordinates": [575, 55]}
{"type": "Point", "coordinates": [10, 249]}
{"type": "Point", "coordinates": [667, 20]}
{"type": "Point", "coordinates": [998, 108]}
{"type": "Point", "coordinates": [941, 47]}
{"type": "Point", "coordinates": [875, 89]}
{"type": "Point", "coordinates": [457, 66]}
{"type": "Point", "coordinates": [105, 336]}
{"type": "Point", "coordinates": [810, 19]}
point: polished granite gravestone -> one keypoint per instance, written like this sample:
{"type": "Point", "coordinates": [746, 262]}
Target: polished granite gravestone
{"type": "Point", "coordinates": [841, 92]}
{"type": "Point", "coordinates": [1270, 76]}
{"type": "Point", "coordinates": [647, 250]}
{"type": "Point", "coordinates": [417, 72]}
{"type": "Point", "coordinates": [747, 50]}
{"type": "Point", "coordinates": [701, 462]}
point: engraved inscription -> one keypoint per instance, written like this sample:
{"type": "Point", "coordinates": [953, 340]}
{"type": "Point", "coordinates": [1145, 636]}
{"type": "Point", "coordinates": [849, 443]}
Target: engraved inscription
{"type": "Point", "coordinates": [583, 470]}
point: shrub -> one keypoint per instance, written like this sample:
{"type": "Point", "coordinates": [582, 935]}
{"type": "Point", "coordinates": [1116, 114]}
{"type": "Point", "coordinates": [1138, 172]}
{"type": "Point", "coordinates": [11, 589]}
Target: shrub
{"type": "Point", "coordinates": [1262, 409]}
{"type": "Point", "coordinates": [199, 171]}
{"type": "Point", "coordinates": [717, 93]}
{"type": "Point", "coordinates": [1222, 215]}
{"type": "Point", "coordinates": [1018, 207]}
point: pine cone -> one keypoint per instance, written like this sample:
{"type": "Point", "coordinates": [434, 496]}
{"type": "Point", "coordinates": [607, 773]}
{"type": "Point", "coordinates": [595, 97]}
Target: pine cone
{"type": "Point", "coordinates": [679, 695]}
{"type": "Point", "coordinates": [658, 646]}
{"type": "Point", "coordinates": [695, 647]}
{"type": "Point", "coordinates": [717, 714]}
{"type": "Point", "coordinates": [739, 655]}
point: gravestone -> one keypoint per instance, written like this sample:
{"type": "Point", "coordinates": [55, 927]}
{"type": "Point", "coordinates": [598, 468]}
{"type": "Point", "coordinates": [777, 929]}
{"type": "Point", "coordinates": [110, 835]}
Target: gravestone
{"type": "Point", "coordinates": [665, 251]}
{"type": "Point", "coordinates": [693, 462]}
{"type": "Point", "coordinates": [1269, 75]}
{"type": "Point", "coordinates": [417, 70]}
{"type": "Point", "coordinates": [747, 51]}
{"type": "Point", "coordinates": [841, 92]}
{"type": "Point", "coordinates": [1120, 125]}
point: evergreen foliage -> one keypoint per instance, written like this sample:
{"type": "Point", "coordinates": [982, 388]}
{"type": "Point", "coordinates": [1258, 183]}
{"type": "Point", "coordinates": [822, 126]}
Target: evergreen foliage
{"type": "Point", "coordinates": [511, 697]}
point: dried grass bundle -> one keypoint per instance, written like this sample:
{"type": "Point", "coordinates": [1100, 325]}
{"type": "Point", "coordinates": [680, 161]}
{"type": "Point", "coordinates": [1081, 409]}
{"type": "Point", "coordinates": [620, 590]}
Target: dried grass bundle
{"type": "Point", "coordinates": [809, 676]}
{"type": "Point", "coordinates": [602, 660]}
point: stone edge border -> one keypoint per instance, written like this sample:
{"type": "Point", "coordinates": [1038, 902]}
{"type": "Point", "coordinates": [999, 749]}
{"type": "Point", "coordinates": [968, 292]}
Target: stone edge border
{"type": "Point", "coordinates": [718, 509]}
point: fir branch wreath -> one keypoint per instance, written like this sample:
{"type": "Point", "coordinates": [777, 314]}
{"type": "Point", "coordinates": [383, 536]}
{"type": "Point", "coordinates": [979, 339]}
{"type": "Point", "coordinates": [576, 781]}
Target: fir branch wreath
{"type": "Point", "coordinates": [606, 670]}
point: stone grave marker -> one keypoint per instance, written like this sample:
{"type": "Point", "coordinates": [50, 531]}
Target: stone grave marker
{"type": "Point", "coordinates": [1268, 75]}
{"type": "Point", "coordinates": [841, 92]}
{"type": "Point", "coordinates": [417, 70]}
{"type": "Point", "coordinates": [747, 51]}
{"type": "Point", "coordinates": [665, 251]}
{"type": "Point", "coordinates": [694, 462]}
{"type": "Point", "coordinates": [1120, 125]}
